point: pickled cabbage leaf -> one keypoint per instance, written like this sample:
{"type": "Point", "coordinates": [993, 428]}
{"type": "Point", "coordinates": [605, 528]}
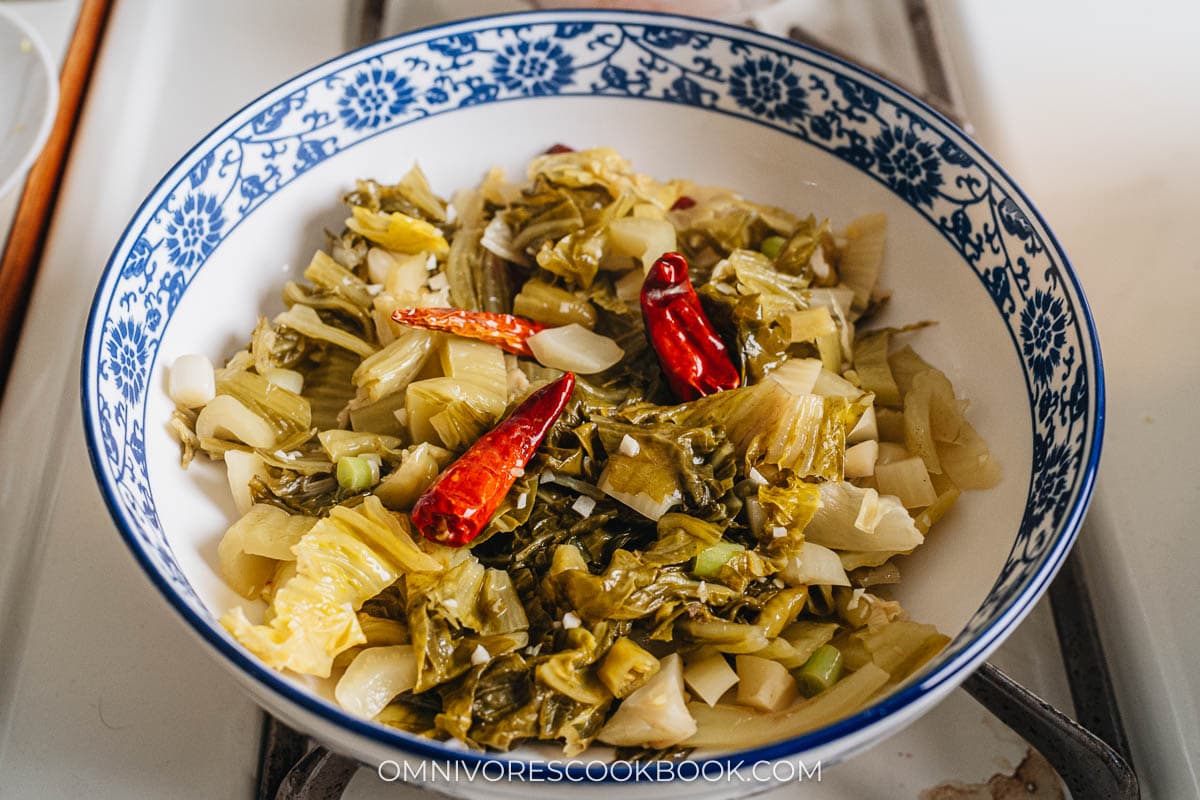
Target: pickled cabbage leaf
{"type": "Point", "coordinates": [750, 298]}
{"type": "Point", "coordinates": [464, 257]}
{"type": "Point", "coordinates": [340, 444]}
{"type": "Point", "coordinates": [287, 412]}
{"type": "Point", "coordinates": [721, 724]}
{"type": "Point", "coordinates": [375, 677]}
{"type": "Point", "coordinates": [861, 257]}
{"type": "Point", "coordinates": [452, 412]}
{"type": "Point", "coordinates": [850, 518]}
{"type": "Point", "coordinates": [334, 279]}
{"type": "Point", "coordinates": [899, 647]}
{"type": "Point", "coordinates": [600, 167]}
{"type": "Point", "coordinates": [306, 321]}
{"type": "Point", "coordinates": [936, 428]}
{"type": "Point", "coordinates": [344, 560]}
{"type": "Point", "coordinates": [871, 364]}
{"type": "Point", "coordinates": [655, 715]}
{"type": "Point", "coordinates": [419, 466]}
{"type": "Point", "coordinates": [452, 613]}
{"type": "Point", "coordinates": [296, 492]}
{"type": "Point", "coordinates": [553, 305]}
{"type": "Point", "coordinates": [395, 366]}
{"type": "Point", "coordinates": [627, 589]}
{"type": "Point", "coordinates": [722, 222]}
{"type": "Point", "coordinates": [767, 424]}
{"type": "Point", "coordinates": [397, 231]}
{"type": "Point", "coordinates": [749, 273]}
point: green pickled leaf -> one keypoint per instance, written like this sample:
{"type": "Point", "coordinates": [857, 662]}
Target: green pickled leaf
{"type": "Point", "coordinates": [395, 366]}
{"type": "Point", "coordinates": [450, 614]}
{"type": "Point", "coordinates": [342, 314]}
{"type": "Point", "coordinates": [274, 348]}
{"type": "Point", "coordinates": [412, 196]}
{"type": "Point", "coordinates": [900, 647]}
{"type": "Point", "coordinates": [796, 254]}
{"type": "Point", "coordinates": [335, 279]}
{"type": "Point", "coordinates": [328, 387]}
{"type": "Point", "coordinates": [552, 305]}
{"type": "Point", "coordinates": [575, 257]}
{"type": "Point", "coordinates": [727, 637]}
{"type": "Point", "coordinates": [861, 258]}
{"type": "Point", "coordinates": [304, 320]}
{"type": "Point", "coordinates": [749, 273]}
{"type": "Point", "coordinates": [600, 166]}
{"type": "Point", "coordinates": [379, 416]}
{"type": "Point", "coordinates": [654, 467]}
{"type": "Point", "coordinates": [788, 506]}
{"type": "Point", "coordinates": [453, 412]}
{"type": "Point", "coordinates": [871, 364]}
{"type": "Point", "coordinates": [762, 342]}
{"type": "Point", "coordinates": [542, 217]}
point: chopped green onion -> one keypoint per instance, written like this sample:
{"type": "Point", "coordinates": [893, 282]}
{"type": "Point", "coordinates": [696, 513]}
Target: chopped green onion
{"type": "Point", "coordinates": [822, 670]}
{"type": "Point", "coordinates": [772, 246]}
{"type": "Point", "coordinates": [710, 560]}
{"type": "Point", "coordinates": [354, 473]}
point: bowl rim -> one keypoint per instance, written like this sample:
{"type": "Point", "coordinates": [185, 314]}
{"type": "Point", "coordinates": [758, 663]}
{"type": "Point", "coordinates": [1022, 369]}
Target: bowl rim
{"type": "Point", "coordinates": [48, 114]}
{"type": "Point", "coordinates": [944, 678]}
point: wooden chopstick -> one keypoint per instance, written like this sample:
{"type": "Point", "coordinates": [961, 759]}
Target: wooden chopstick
{"type": "Point", "coordinates": [18, 266]}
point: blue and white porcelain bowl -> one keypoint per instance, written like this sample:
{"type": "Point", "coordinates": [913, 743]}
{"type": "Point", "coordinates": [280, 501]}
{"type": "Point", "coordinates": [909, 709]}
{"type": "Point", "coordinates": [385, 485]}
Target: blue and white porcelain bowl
{"type": "Point", "coordinates": [239, 214]}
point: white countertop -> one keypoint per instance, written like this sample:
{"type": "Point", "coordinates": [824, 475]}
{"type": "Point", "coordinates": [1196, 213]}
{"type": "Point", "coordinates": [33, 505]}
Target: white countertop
{"type": "Point", "coordinates": [102, 693]}
{"type": "Point", "coordinates": [1095, 110]}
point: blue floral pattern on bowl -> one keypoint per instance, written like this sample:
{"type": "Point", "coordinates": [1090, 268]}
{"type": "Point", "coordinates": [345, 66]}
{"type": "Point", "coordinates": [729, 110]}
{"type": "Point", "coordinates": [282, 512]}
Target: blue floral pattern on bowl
{"type": "Point", "coordinates": [833, 106]}
{"type": "Point", "coordinates": [534, 68]}
{"type": "Point", "coordinates": [375, 97]}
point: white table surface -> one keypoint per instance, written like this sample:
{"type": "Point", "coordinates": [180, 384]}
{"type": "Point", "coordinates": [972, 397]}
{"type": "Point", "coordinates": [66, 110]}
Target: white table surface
{"type": "Point", "coordinates": [1095, 109]}
{"type": "Point", "coordinates": [104, 695]}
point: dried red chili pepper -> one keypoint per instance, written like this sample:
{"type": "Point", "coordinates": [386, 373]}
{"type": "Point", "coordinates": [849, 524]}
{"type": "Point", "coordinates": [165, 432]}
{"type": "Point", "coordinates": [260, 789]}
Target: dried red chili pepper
{"type": "Point", "coordinates": [461, 502]}
{"type": "Point", "coordinates": [692, 355]}
{"type": "Point", "coordinates": [683, 203]}
{"type": "Point", "coordinates": [555, 149]}
{"type": "Point", "coordinates": [503, 330]}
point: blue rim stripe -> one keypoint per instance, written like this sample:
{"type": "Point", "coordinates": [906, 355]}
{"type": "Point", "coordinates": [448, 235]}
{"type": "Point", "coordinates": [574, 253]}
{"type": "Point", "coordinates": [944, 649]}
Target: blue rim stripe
{"type": "Point", "coordinates": [954, 670]}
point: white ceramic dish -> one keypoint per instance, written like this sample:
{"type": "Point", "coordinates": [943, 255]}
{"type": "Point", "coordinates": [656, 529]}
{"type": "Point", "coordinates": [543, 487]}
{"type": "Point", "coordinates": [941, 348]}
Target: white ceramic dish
{"type": "Point", "coordinates": [680, 97]}
{"type": "Point", "coordinates": [28, 98]}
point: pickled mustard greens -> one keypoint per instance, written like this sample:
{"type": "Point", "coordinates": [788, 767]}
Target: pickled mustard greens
{"type": "Point", "coordinates": [661, 575]}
